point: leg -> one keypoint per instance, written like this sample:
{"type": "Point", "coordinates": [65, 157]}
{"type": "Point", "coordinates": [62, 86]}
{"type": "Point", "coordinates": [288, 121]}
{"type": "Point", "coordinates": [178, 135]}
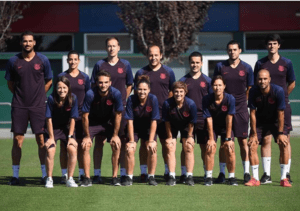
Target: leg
{"type": "Point", "coordinates": [230, 156]}
{"type": "Point", "coordinates": [203, 151]}
{"type": "Point", "coordinates": [253, 156]}
{"type": "Point", "coordinates": [72, 152]}
{"type": "Point", "coordinates": [42, 151]}
{"type": "Point", "coordinates": [115, 161]}
{"type": "Point", "coordinates": [98, 151]}
{"type": "Point", "coordinates": [170, 145]}
{"type": "Point", "coordinates": [130, 160]}
{"type": "Point", "coordinates": [209, 163]}
{"type": "Point", "coordinates": [63, 158]}
{"type": "Point", "coordinates": [143, 154]}
{"type": "Point", "coordinates": [86, 160]}
{"type": "Point", "coordinates": [284, 159]}
{"type": "Point", "coordinates": [16, 152]}
{"type": "Point", "coordinates": [80, 157]}
{"type": "Point", "coordinates": [188, 147]}
{"type": "Point", "coordinates": [50, 160]}
{"type": "Point", "coordinates": [266, 154]}
{"type": "Point", "coordinates": [151, 157]}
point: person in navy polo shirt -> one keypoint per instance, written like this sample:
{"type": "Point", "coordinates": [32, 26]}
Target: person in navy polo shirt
{"type": "Point", "coordinates": [239, 78]}
{"type": "Point", "coordinates": [61, 112]}
{"type": "Point", "coordinates": [142, 113]}
{"type": "Point", "coordinates": [161, 81]}
{"type": "Point", "coordinates": [101, 115]}
{"type": "Point", "coordinates": [282, 74]}
{"type": "Point", "coordinates": [180, 114]}
{"type": "Point", "coordinates": [198, 85]}
{"type": "Point", "coordinates": [218, 110]}
{"type": "Point", "coordinates": [122, 79]}
{"type": "Point", "coordinates": [29, 77]}
{"type": "Point", "coordinates": [80, 84]}
{"type": "Point", "coordinates": [267, 104]}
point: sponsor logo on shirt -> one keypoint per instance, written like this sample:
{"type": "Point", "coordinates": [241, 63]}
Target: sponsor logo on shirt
{"type": "Point", "coordinates": [245, 134]}
{"type": "Point", "coordinates": [37, 66]}
{"type": "Point", "coordinates": [68, 108]}
{"type": "Point", "coordinates": [80, 81]}
{"type": "Point", "coordinates": [120, 70]}
{"type": "Point", "coordinates": [186, 114]}
{"type": "Point", "coordinates": [148, 108]}
{"type": "Point", "coordinates": [258, 99]}
{"type": "Point", "coordinates": [163, 76]}
{"type": "Point", "coordinates": [281, 68]}
{"type": "Point", "coordinates": [225, 73]}
{"type": "Point", "coordinates": [19, 67]}
{"type": "Point", "coordinates": [271, 100]}
{"type": "Point", "coordinates": [202, 84]}
{"type": "Point", "coordinates": [242, 73]}
{"type": "Point", "coordinates": [224, 108]}
{"type": "Point", "coordinates": [109, 102]}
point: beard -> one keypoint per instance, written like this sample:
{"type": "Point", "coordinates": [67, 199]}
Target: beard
{"type": "Point", "coordinates": [27, 51]}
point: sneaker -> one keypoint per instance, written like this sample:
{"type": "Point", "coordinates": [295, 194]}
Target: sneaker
{"type": "Point", "coordinates": [204, 177]}
{"type": "Point", "coordinates": [43, 180]}
{"type": "Point", "coordinates": [253, 182]}
{"type": "Point", "coordinates": [80, 179]}
{"type": "Point", "coordinates": [64, 179]}
{"type": "Point", "coordinates": [152, 181]}
{"type": "Point", "coordinates": [123, 179]}
{"type": "Point", "coordinates": [265, 179]}
{"type": "Point", "coordinates": [190, 181]}
{"type": "Point", "coordinates": [285, 183]}
{"type": "Point", "coordinates": [127, 181]}
{"type": "Point", "coordinates": [86, 182]}
{"type": "Point", "coordinates": [288, 176]}
{"type": "Point", "coordinates": [182, 179]}
{"type": "Point", "coordinates": [232, 181]}
{"type": "Point", "coordinates": [247, 177]}
{"type": "Point", "coordinates": [71, 183]}
{"type": "Point", "coordinates": [115, 181]}
{"type": "Point", "coordinates": [220, 179]}
{"type": "Point", "coordinates": [166, 177]}
{"type": "Point", "coordinates": [143, 178]}
{"type": "Point", "coordinates": [14, 181]}
{"type": "Point", "coordinates": [97, 180]}
{"type": "Point", "coordinates": [208, 181]}
{"type": "Point", "coordinates": [49, 183]}
{"type": "Point", "coordinates": [171, 181]}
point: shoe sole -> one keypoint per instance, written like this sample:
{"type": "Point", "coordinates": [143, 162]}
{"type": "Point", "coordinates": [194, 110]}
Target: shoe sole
{"type": "Point", "coordinates": [267, 182]}
{"type": "Point", "coordinates": [208, 184]}
{"type": "Point", "coordinates": [48, 187]}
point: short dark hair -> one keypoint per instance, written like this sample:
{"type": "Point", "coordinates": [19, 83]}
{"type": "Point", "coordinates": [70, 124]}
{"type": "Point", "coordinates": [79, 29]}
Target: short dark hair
{"type": "Point", "coordinates": [154, 45]}
{"type": "Point", "coordinates": [195, 54]}
{"type": "Point", "coordinates": [273, 37]}
{"type": "Point", "coordinates": [233, 42]}
{"type": "Point", "coordinates": [103, 73]}
{"type": "Point", "coordinates": [179, 85]}
{"type": "Point", "coordinates": [111, 38]}
{"type": "Point", "coordinates": [217, 77]}
{"type": "Point", "coordinates": [25, 33]}
{"type": "Point", "coordinates": [143, 79]}
{"type": "Point", "coordinates": [69, 97]}
{"type": "Point", "coordinates": [73, 52]}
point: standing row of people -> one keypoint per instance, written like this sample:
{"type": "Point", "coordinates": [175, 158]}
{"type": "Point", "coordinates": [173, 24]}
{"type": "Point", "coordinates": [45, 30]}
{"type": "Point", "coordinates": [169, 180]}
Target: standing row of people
{"type": "Point", "coordinates": [195, 106]}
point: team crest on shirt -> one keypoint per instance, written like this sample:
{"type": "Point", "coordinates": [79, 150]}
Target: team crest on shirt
{"type": "Point", "coordinates": [37, 66]}
{"type": "Point", "coordinates": [148, 108]}
{"type": "Point", "coordinates": [68, 108]}
{"type": "Point", "coordinates": [202, 84]}
{"type": "Point", "coordinates": [120, 70]}
{"type": "Point", "coordinates": [109, 102]}
{"type": "Point", "coordinates": [163, 76]}
{"type": "Point", "coordinates": [186, 114]}
{"type": "Point", "coordinates": [281, 68]}
{"type": "Point", "coordinates": [258, 99]}
{"type": "Point", "coordinates": [224, 108]}
{"type": "Point", "coordinates": [242, 73]}
{"type": "Point", "coordinates": [271, 100]}
{"type": "Point", "coordinates": [80, 81]}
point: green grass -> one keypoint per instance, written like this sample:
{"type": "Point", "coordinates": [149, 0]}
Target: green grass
{"type": "Point", "coordinates": [33, 196]}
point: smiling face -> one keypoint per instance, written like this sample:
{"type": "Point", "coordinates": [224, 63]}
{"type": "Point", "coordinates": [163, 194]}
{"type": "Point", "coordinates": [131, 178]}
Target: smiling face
{"type": "Point", "coordinates": [179, 94]}
{"type": "Point", "coordinates": [273, 46]}
{"type": "Point", "coordinates": [233, 51]}
{"type": "Point", "coordinates": [154, 56]}
{"type": "Point", "coordinates": [143, 91]}
{"type": "Point", "coordinates": [103, 83]}
{"type": "Point", "coordinates": [195, 64]}
{"type": "Point", "coordinates": [112, 48]}
{"type": "Point", "coordinates": [62, 90]}
{"type": "Point", "coordinates": [263, 79]}
{"type": "Point", "coordinates": [28, 43]}
{"type": "Point", "coordinates": [73, 61]}
{"type": "Point", "coordinates": [218, 87]}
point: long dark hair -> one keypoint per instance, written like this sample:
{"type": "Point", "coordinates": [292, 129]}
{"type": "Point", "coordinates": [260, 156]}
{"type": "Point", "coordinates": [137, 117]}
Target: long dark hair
{"type": "Point", "coordinates": [143, 79]}
{"type": "Point", "coordinates": [69, 97]}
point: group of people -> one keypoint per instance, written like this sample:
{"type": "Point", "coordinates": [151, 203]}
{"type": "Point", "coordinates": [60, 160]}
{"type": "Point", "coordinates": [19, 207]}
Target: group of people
{"type": "Point", "coordinates": [102, 108]}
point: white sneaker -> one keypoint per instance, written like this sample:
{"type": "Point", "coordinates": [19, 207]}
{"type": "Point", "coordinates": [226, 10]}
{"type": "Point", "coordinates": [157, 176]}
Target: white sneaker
{"type": "Point", "coordinates": [71, 183]}
{"type": "Point", "coordinates": [49, 183]}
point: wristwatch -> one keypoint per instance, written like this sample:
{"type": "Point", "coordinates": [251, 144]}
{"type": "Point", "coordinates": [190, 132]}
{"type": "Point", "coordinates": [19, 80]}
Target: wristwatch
{"type": "Point", "coordinates": [70, 136]}
{"type": "Point", "coordinates": [228, 139]}
{"type": "Point", "coordinates": [280, 133]}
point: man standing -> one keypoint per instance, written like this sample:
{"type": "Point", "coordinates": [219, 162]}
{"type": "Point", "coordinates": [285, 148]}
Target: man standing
{"type": "Point", "coordinates": [29, 77]}
{"type": "Point", "coordinates": [282, 74]}
{"type": "Point", "coordinates": [267, 104]}
{"type": "Point", "coordinates": [122, 79]}
{"type": "Point", "coordinates": [161, 81]}
{"type": "Point", "coordinates": [239, 79]}
{"type": "Point", "coordinates": [198, 85]}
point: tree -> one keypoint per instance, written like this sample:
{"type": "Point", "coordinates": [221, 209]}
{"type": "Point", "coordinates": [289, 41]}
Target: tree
{"type": "Point", "coordinates": [10, 11]}
{"type": "Point", "coordinates": [169, 24]}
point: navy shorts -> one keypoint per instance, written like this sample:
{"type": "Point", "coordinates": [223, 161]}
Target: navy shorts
{"type": "Point", "coordinates": [264, 130]}
{"type": "Point", "coordinates": [240, 124]}
{"type": "Point", "coordinates": [106, 130]}
{"type": "Point", "coordinates": [183, 133]}
{"type": "Point", "coordinates": [288, 118]}
{"type": "Point", "coordinates": [79, 130]}
{"type": "Point", "coordinates": [200, 132]}
{"type": "Point", "coordinates": [123, 127]}
{"type": "Point", "coordinates": [59, 134]}
{"type": "Point", "coordinates": [21, 116]}
{"type": "Point", "coordinates": [221, 133]}
{"type": "Point", "coordinates": [161, 130]}
{"type": "Point", "coordinates": [143, 135]}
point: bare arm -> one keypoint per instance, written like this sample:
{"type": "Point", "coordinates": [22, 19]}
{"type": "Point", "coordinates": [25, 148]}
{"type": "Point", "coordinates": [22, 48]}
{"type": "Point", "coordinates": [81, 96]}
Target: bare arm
{"type": "Point", "coordinates": [281, 139]}
{"type": "Point", "coordinates": [190, 130]}
{"type": "Point", "coordinates": [10, 85]}
{"type": "Point", "coordinates": [48, 84]}
{"type": "Point", "coordinates": [85, 124]}
{"type": "Point", "coordinates": [247, 92]}
{"type": "Point", "coordinates": [170, 94]}
{"type": "Point", "coordinates": [153, 127]}
{"type": "Point", "coordinates": [128, 90]}
{"type": "Point", "coordinates": [253, 122]}
{"type": "Point", "coordinates": [72, 126]}
{"type": "Point", "coordinates": [228, 125]}
{"type": "Point", "coordinates": [118, 118]}
{"type": "Point", "coordinates": [50, 128]}
{"type": "Point", "coordinates": [130, 130]}
{"type": "Point", "coordinates": [210, 128]}
{"type": "Point", "coordinates": [291, 87]}
{"type": "Point", "coordinates": [168, 129]}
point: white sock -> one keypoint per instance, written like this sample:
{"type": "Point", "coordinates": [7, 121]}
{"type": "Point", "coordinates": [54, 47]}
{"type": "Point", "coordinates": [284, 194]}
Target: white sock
{"type": "Point", "coordinates": [167, 169]}
{"type": "Point", "coordinates": [230, 175]}
{"type": "Point", "coordinates": [16, 169]}
{"type": "Point", "coordinates": [267, 165]}
{"type": "Point", "coordinates": [97, 172]}
{"type": "Point", "coordinates": [208, 174]}
{"type": "Point", "coordinates": [123, 172]}
{"type": "Point", "coordinates": [44, 173]}
{"type": "Point", "coordinates": [255, 172]}
{"type": "Point", "coordinates": [70, 178]}
{"type": "Point", "coordinates": [143, 169]}
{"type": "Point", "coordinates": [246, 165]}
{"type": "Point", "coordinates": [284, 168]}
{"type": "Point", "coordinates": [183, 170]}
{"type": "Point", "coordinates": [63, 172]}
{"type": "Point", "coordinates": [189, 173]}
{"type": "Point", "coordinates": [131, 176]}
{"type": "Point", "coordinates": [172, 174]}
{"type": "Point", "coordinates": [222, 167]}
{"type": "Point", "coordinates": [81, 172]}
{"type": "Point", "coordinates": [150, 175]}
{"type": "Point", "coordinates": [289, 165]}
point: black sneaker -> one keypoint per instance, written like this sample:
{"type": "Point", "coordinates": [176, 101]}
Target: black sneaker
{"type": "Point", "coordinates": [171, 181]}
{"type": "Point", "coordinates": [80, 179]}
{"type": "Point", "coordinates": [123, 179]}
{"type": "Point", "coordinates": [208, 181]}
{"type": "Point", "coordinates": [220, 179]}
{"type": "Point", "coordinates": [63, 179]}
{"type": "Point", "coordinates": [151, 181]}
{"type": "Point", "coordinates": [14, 181]}
{"type": "Point", "coordinates": [115, 181]}
{"type": "Point", "coordinates": [288, 176]}
{"type": "Point", "coordinates": [204, 177]}
{"type": "Point", "coordinates": [127, 181]}
{"type": "Point", "coordinates": [232, 181]}
{"type": "Point", "coordinates": [97, 180]}
{"type": "Point", "coordinates": [265, 179]}
{"type": "Point", "coordinates": [143, 178]}
{"type": "Point", "coordinates": [182, 179]}
{"type": "Point", "coordinates": [247, 177]}
{"type": "Point", "coordinates": [86, 182]}
{"type": "Point", "coordinates": [43, 180]}
{"type": "Point", "coordinates": [190, 180]}
{"type": "Point", "coordinates": [166, 177]}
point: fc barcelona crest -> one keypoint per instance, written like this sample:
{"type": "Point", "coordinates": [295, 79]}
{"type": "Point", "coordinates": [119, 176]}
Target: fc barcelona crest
{"type": "Point", "coordinates": [109, 102]}
{"type": "Point", "coordinates": [37, 66]}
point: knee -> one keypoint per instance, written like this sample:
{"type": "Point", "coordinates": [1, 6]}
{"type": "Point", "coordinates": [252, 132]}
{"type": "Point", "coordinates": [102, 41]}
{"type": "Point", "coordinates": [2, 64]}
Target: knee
{"type": "Point", "coordinates": [189, 146]}
{"type": "Point", "coordinates": [152, 148]}
{"type": "Point", "coordinates": [229, 147]}
{"type": "Point", "coordinates": [212, 151]}
{"type": "Point", "coordinates": [170, 145]}
{"type": "Point", "coordinates": [130, 148]}
{"type": "Point", "coordinates": [253, 148]}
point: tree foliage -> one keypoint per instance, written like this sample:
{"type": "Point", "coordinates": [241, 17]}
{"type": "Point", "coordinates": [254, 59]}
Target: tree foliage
{"type": "Point", "coordinates": [169, 24]}
{"type": "Point", "coordinates": [10, 11]}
